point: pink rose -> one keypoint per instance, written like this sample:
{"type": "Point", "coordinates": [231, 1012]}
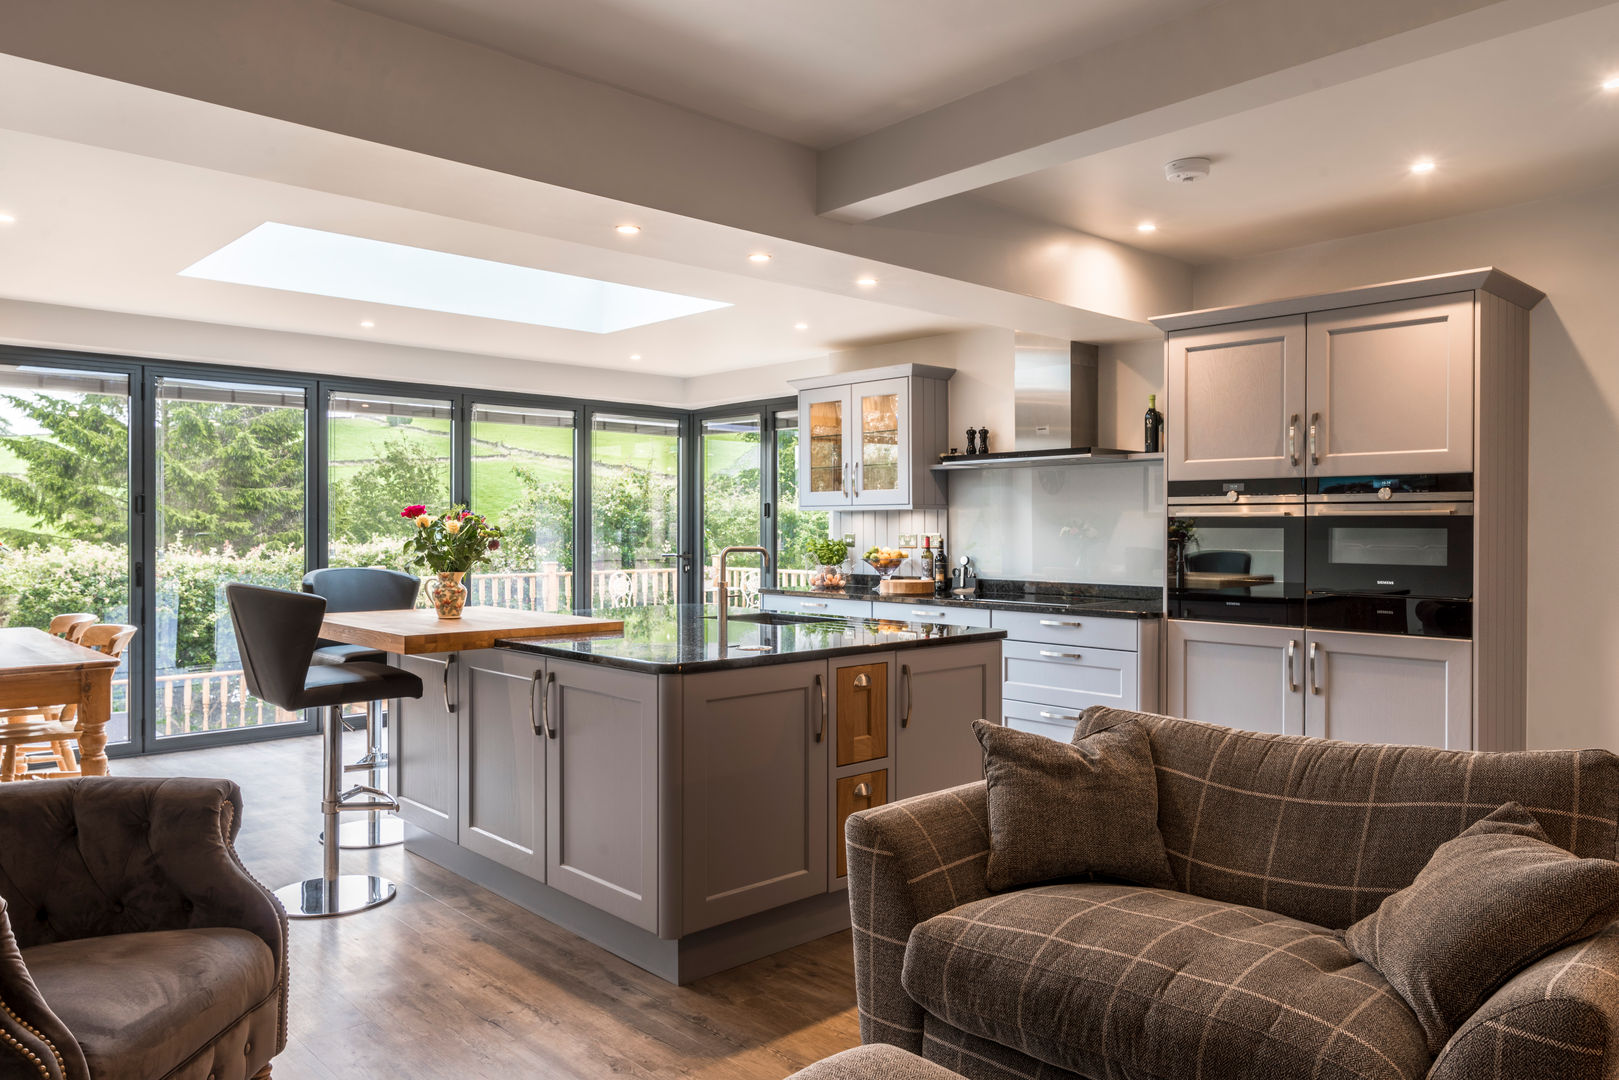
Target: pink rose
{"type": "Point", "coordinates": [413, 511]}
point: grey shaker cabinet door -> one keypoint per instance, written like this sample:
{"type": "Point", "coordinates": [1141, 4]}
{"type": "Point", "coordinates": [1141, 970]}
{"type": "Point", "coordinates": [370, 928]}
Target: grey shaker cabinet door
{"type": "Point", "coordinates": [1391, 388]}
{"type": "Point", "coordinates": [424, 748]}
{"type": "Point", "coordinates": [754, 803]}
{"type": "Point", "coordinates": [1249, 677]}
{"type": "Point", "coordinates": [1234, 401]}
{"type": "Point", "coordinates": [503, 759]}
{"type": "Point", "coordinates": [940, 692]}
{"type": "Point", "coordinates": [1388, 688]}
{"type": "Point", "coordinates": [602, 789]}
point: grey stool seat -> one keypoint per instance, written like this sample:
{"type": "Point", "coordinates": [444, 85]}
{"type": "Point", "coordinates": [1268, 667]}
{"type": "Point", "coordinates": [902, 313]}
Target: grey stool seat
{"type": "Point", "coordinates": [343, 653]}
{"type": "Point", "coordinates": [276, 632]}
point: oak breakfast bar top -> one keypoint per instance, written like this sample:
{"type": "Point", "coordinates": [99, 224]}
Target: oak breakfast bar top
{"type": "Point", "coordinates": [410, 633]}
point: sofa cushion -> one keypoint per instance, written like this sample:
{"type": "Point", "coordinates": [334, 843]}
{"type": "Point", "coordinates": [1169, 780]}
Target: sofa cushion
{"type": "Point", "coordinates": [1109, 980]}
{"type": "Point", "coordinates": [1489, 903]}
{"type": "Point", "coordinates": [1061, 810]}
{"type": "Point", "coordinates": [141, 1004]}
{"type": "Point", "coordinates": [1323, 831]}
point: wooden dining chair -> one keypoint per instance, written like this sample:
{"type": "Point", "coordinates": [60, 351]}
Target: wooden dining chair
{"type": "Point", "coordinates": [72, 625]}
{"type": "Point", "coordinates": [53, 733]}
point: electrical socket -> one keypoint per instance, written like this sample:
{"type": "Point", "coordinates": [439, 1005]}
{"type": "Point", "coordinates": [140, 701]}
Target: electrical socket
{"type": "Point", "coordinates": [907, 540]}
{"type": "Point", "coordinates": [848, 538]}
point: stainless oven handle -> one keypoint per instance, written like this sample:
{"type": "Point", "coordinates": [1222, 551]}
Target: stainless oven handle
{"type": "Point", "coordinates": [1383, 510]}
{"type": "Point", "coordinates": [1315, 683]}
{"type": "Point", "coordinates": [1237, 512]}
{"type": "Point", "coordinates": [1292, 663]}
{"type": "Point", "coordinates": [1293, 440]}
{"type": "Point", "coordinates": [1315, 424]}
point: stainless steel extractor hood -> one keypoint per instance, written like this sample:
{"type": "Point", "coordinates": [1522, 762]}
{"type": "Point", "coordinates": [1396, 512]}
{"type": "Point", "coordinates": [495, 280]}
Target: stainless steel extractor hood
{"type": "Point", "coordinates": [1054, 388]}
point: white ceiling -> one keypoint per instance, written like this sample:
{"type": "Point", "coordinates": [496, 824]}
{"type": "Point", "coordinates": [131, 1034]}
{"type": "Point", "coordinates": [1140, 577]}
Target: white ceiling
{"type": "Point", "coordinates": [98, 228]}
{"type": "Point", "coordinates": [1517, 118]}
{"type": "Point", "coordinates": [818, 72]}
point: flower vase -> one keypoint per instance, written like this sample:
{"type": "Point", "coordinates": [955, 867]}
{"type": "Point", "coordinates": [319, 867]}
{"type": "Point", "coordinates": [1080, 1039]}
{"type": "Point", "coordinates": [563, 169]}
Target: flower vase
{"type": "Point", "coordinates": [449, 596]}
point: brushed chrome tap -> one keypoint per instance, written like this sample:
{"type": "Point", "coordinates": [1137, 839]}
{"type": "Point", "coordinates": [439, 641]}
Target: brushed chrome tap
{"type": "Point", "coordinates": [723, 589]}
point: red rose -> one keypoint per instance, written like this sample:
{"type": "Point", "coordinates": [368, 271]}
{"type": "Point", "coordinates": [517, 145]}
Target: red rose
{"type": "Point", "coordinates": [465, 514]}
{"type": "Point", "coordinates": [413, 511]}
{"type": "Point", "coordinates": [494, 545]}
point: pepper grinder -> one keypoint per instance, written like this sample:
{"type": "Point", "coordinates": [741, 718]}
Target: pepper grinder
{"type": "Point", "coordinates": [983, 440]}
{"type": "Point", "coordinates": [972, 441]}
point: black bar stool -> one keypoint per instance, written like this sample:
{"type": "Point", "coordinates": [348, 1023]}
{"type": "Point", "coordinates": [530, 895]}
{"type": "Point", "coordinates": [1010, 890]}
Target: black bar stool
{"type": "Point", "coordinates": [364, 589]}
{"type": "Point", "coordinates": [276, 633]}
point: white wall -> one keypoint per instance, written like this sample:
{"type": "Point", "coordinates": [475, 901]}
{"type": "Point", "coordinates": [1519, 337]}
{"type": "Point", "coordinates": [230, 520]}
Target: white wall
{"type": "Point", "coordinates": [1568, 247]}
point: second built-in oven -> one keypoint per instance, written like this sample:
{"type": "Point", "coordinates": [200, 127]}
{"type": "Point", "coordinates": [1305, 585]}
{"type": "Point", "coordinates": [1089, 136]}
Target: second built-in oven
{"type": "Point", "coordinates": [1391, 549]}
{"type": "Point", "coordinates": [1237, 561]}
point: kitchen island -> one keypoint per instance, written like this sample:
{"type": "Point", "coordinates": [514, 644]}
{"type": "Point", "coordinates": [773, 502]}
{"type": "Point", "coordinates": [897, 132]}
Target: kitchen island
{"type": "Point", "coordinates": [677, 799]}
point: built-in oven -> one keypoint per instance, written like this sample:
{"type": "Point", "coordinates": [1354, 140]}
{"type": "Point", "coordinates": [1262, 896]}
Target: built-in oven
{"type": "Point", "coordinates": [1239, 560]}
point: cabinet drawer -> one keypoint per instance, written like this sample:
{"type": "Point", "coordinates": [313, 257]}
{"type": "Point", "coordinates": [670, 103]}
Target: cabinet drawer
{"type": "Point", "coordinates": [859, 792]}
{"type": "Point", "coordinates": [1069, 678]}
{"type": "Point", "coordinates": [1075, 629]}
{"type": "Point", "coordinates": [922, 611]}
{"type": "Point", "coordinates": [862, 712]}
{"type": "Point", "coordinates": [817, 605]}
{"type": "Point", "coordinates": [1049, 720]}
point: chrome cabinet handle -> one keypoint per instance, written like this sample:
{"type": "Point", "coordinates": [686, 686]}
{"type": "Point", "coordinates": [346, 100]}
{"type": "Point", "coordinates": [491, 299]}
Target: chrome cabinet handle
{"type": "Point", "coordinates": [861, 681]}
{"type": "Point", "coordinates": [1062, 655]}
{"type": "Point", "coordinates": [1061, 622]}
{"type": "Point", "coordinates": [533, 712]}
{"type": "Point", "coordinates": [449, 707]}
{"type": "Point", "coordinates": [1292, 652]}
{"type": "Point", "coordinates": [905, 682]}
{"type": "Point", "coordinates": [1315, 423]}
{"type": "Point", "coordinates": [862, 790]}
{"type": "Point", "coordinates": [1315, 684]}
{"type": "Point", "coordinates": [919, 613]}
{"type": "Point", "coordinates": [846, 478]}
{"type": "Point", "coordinates": [807, 604]}
{"type": "Point", "coordinates": [820, 716]}
{"type": "Point", "coordinates": [1293, 440]}
{"type": "Point", "coordinates": [545, 703]}
{"type": "Point", "coordinates": [857, 478]}
{"type": "Point", "coordinates": [1060, 716]}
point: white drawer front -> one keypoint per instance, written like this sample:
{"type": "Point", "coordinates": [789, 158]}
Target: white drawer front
{"type": "Point", "coordinates": [1074, 629]}
{"type": "Point", "coordinates": [1048, 720]}
{"type": "Point", "coordinates": [816, 605]}
{"type": "Point", "coordinates": [923, 612]}
{"type": "Point", "coordinates": [1069, 678]}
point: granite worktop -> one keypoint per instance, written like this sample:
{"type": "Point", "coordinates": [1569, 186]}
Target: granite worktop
{"type": "Point", "coordinates": [681, 638]}
{"type": "Point", "coordinates": [1117, 602]}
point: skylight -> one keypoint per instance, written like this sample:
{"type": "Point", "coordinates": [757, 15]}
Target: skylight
{"type": "Point", "coordinates": [276, 256]}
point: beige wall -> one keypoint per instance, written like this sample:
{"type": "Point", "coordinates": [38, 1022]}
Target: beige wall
{"type": "Point", "coordinates": [1568, 247]}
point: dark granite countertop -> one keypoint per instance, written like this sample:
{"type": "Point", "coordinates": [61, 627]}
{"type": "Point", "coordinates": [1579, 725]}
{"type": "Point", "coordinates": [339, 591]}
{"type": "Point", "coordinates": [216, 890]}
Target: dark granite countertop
{"type": "Point", "coordinates": [1075, 601]}
{"type": "Point", "coordinates": [678, 638]}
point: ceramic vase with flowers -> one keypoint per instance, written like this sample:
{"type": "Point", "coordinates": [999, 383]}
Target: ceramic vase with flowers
{"type": "Point", "coordinates": [449, 544]}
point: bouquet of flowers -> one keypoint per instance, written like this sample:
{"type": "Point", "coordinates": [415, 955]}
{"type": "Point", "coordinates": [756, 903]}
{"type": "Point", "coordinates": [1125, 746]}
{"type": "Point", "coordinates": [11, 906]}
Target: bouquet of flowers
{"type": "Point", "coordinates": [450, 543]}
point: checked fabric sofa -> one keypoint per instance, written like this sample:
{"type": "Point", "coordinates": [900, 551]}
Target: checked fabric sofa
{"type": "Point", "coordinates": [1275, 844]}
{"type": "Point", "coordinates": [133, 944]}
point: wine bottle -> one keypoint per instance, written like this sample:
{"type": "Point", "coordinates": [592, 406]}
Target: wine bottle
{"type": "Point", "coordinates": [941, 571]}
{"type": "Point", "coordinates": [927, 557]}
{"type": "Point", "coordinates": [1155, 423]}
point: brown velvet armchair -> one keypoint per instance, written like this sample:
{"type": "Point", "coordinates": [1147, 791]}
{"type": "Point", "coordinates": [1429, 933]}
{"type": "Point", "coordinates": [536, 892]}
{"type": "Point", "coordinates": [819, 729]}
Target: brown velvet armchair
{"type": "Point", "coordinates": [133, 944]}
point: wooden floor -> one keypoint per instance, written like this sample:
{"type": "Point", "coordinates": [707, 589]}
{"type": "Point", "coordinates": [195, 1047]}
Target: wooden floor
{"type": "Point", "coordinates": [450, 982]}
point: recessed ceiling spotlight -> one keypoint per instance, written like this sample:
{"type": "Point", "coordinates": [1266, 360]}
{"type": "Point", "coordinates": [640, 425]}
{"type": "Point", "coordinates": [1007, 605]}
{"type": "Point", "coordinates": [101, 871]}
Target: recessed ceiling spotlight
{"type": "Point", "coordinates": [1611, 83]}
{"type": "Point", "coordinates": [627, 230]}
{"type": "Point", "coordinates": [7, 219]}
{"type": "Point", "coordinates": [1426, 165]}
{"type": "Point", "coordinates": [801, 326]}
{"type": "Point", "coordinates": [366, 324]}
{"type": "Point", "coordinates": [1146, 226]}
{"type": "Point", "coordinates": [759, 257]}
{"type": "Point", "coordinates": [635, 356]}
{"type": "Point", "coordinates": [865, 282]}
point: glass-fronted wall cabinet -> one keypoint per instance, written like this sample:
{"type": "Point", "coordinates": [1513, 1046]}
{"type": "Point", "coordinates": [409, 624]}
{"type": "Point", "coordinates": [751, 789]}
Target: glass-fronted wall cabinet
{"type": "Point", "coordinates": [871, 438]}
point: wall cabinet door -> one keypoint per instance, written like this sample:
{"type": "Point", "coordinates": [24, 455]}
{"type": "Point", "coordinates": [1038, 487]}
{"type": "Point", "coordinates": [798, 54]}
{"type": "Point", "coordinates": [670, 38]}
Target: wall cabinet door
{"type": "Point", "coordinates": [754, 802]}
{"type": "Point", "coordinates": [424, 748]}
{"type": "Point", "coordinates": [1390, 689]}
{"type": "Point", "coordinates": [882, 448]}
{"type": "Point", "coordinates": [1249, 677]}
{"type": "Point", "coordinates": [1235, 401]}
{"type": "Point", "coordinates": [825, 465]}
{"type": "Point", "coordinates": [602, 789]}
{"type": "Point", "coordinates": [503, 759]}
{"type": "Point", "coordinates": [1391, 388]}
{"type": "Point", "coordinates": [941, 691]}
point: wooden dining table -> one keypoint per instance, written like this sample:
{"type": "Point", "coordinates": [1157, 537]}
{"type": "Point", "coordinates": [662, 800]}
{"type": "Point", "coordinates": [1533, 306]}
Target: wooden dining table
{"type": "Point", "coordinates": [40, 669]}
{"type": "Point", "coordinates": [418, 631]}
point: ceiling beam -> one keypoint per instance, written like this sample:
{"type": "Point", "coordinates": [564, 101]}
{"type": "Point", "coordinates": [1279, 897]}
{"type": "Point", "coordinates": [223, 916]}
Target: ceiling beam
{"type": "Point", "coordinates": [1225, 58]}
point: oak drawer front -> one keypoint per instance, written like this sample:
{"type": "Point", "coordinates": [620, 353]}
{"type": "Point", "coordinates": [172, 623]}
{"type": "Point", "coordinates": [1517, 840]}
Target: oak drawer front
{"type": "Point", "coordinates": [1069, 678]}
{"type": "Point", "coordinates": [859, 792]}
{"type": "Point", "coordinates": [1074, 629]}
{"type": "Point", "coordinates": [862, 712]}
{"type": "Point", "coordinates": [924, 612]}
{"type": "Point", "coordinates": [817, 605]}
{"type": "Point", "coordinates": [1051, 721]}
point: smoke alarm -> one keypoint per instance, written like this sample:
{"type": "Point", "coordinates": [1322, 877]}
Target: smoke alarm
{"type": "Point", "coordinates": [1187, 170]}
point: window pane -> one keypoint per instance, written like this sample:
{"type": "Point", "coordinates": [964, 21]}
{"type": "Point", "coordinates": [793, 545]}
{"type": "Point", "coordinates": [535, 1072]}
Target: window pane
{"type": "Point", "coordinates": [382, 455]}
{"type": "Point", "coordinates": [522, 480]}
{"type": "Point", "coordinates": [230, 507]}
{"type": "Point", "coordinates": [64, 504]}
{"type": "Point", "coordinates": [795, 528]}
{"type": "Point", "coordinates": [634, 510]}
{"type": "Point", "coordinates": [731, 461]}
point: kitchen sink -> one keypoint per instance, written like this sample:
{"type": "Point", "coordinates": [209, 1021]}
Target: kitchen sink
{"type": "Point", "coordinates": [770, 618]}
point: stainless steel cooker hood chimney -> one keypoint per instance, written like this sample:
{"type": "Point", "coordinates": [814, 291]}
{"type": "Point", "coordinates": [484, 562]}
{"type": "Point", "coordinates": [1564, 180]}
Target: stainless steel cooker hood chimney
{"type": "Point", "coordinates": [1055, 399]}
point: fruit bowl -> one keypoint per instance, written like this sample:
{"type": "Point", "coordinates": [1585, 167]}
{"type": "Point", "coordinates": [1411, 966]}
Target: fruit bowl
{"type": "Point", "coordinates": [886, 561]}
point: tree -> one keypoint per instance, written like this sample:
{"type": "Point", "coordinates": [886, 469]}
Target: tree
{"type": "Point", "coordinates": [76, 476]}
{"type": "Point", "coordinates": [232, 474]}
{"type": "Point", "coordinates": [366, 506]}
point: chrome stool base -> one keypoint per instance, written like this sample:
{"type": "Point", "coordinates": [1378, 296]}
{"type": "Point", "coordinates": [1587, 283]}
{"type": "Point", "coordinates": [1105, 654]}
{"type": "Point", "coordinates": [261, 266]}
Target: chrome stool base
{"type": "Point", "coordinates": [381, 830]}
{"type": "Point", "coordinates": [324, 898]}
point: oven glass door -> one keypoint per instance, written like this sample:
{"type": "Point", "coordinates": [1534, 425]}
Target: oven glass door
{"type": "Point", "coordinates": [1415, 550]}
{"type": "Point", "coordinates": [1237, 564]}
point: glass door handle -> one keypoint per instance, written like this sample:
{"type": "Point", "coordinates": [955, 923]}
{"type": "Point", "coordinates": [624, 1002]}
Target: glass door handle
{"type": "Point", "coordinates": [683, 556]}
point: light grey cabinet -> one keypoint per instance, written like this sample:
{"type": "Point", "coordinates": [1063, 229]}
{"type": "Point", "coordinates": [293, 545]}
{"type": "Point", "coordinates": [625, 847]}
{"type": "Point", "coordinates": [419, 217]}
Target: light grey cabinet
{"type": "Point", "coordinates": [1235, 401]}
{"type": "Point", "coordinates": [1389, 688]}
{"type": "Point", "coordinates": [424, 747]}
{"type": "Point", "coordinates": [601, 788]}
{"type": "Point", "coordinates": [1248, 677]}
{"type": "Point", "coordinates": [940, 692]}
{"type": "Point", "coordinates": [502, 759]}
{"type": "Point", "coordinates": [1070, 677]}
{"type": "Point", "coordinates": [868, 439]}
{"type": "Point", "coordinates": [1391, 387]}
{"type": "Point", "coordinates": [754, 799]}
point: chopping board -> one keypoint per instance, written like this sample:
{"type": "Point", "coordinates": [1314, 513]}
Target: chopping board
{"type": "Point", "coordinates": [1207, 579]}
{"type": "Point", "coordinates": [906, 587]}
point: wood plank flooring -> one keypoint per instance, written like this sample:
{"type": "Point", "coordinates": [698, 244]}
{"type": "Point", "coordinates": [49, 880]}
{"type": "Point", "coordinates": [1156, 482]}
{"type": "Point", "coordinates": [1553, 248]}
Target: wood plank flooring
{"type": "Point", "coordinates": [451, 982]}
